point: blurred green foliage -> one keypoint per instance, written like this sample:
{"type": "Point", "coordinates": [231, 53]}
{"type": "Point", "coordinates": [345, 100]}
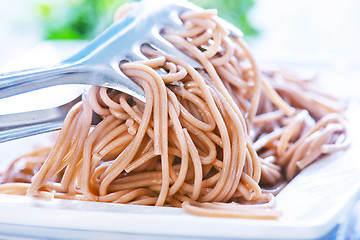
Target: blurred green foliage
{"type": "Point", "coordinates": [234, 11]}
{"type": "Point", "coordinates": [76, 19]}
{"type": "Point", "coordinates": [84, 19]}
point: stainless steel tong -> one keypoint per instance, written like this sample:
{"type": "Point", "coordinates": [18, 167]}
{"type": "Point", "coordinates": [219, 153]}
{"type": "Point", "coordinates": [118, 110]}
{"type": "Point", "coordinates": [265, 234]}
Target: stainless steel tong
{"type": "Point", "coordinates": [96, 64]}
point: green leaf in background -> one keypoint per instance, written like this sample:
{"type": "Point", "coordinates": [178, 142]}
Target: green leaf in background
{"type": "Point", "coordinates": [234, 11]}
{"type": "Point", "coordinates": [84, 19]}
{"type": "Point", "coordinates": [76, 19]}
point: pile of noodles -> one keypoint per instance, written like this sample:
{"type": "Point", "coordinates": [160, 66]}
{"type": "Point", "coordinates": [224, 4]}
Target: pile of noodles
{"type": "Point", "coordinates": [217, 141]}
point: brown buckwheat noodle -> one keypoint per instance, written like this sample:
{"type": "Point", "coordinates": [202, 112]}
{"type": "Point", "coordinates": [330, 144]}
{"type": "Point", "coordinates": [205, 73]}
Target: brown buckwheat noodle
{"type": "Point", "coordinates": [217, 141]}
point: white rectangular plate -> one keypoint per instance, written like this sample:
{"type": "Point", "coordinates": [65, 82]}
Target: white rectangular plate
{"type": "Point", "coordinates": [312, 204]}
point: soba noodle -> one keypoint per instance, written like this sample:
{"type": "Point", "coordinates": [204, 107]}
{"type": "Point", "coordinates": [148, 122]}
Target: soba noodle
{"type": "Point", "coordinates": [217, 141]}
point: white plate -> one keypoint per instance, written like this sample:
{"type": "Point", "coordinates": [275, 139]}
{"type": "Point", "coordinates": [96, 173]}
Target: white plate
{"type": "Point", "coordinates": [312, 205]}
